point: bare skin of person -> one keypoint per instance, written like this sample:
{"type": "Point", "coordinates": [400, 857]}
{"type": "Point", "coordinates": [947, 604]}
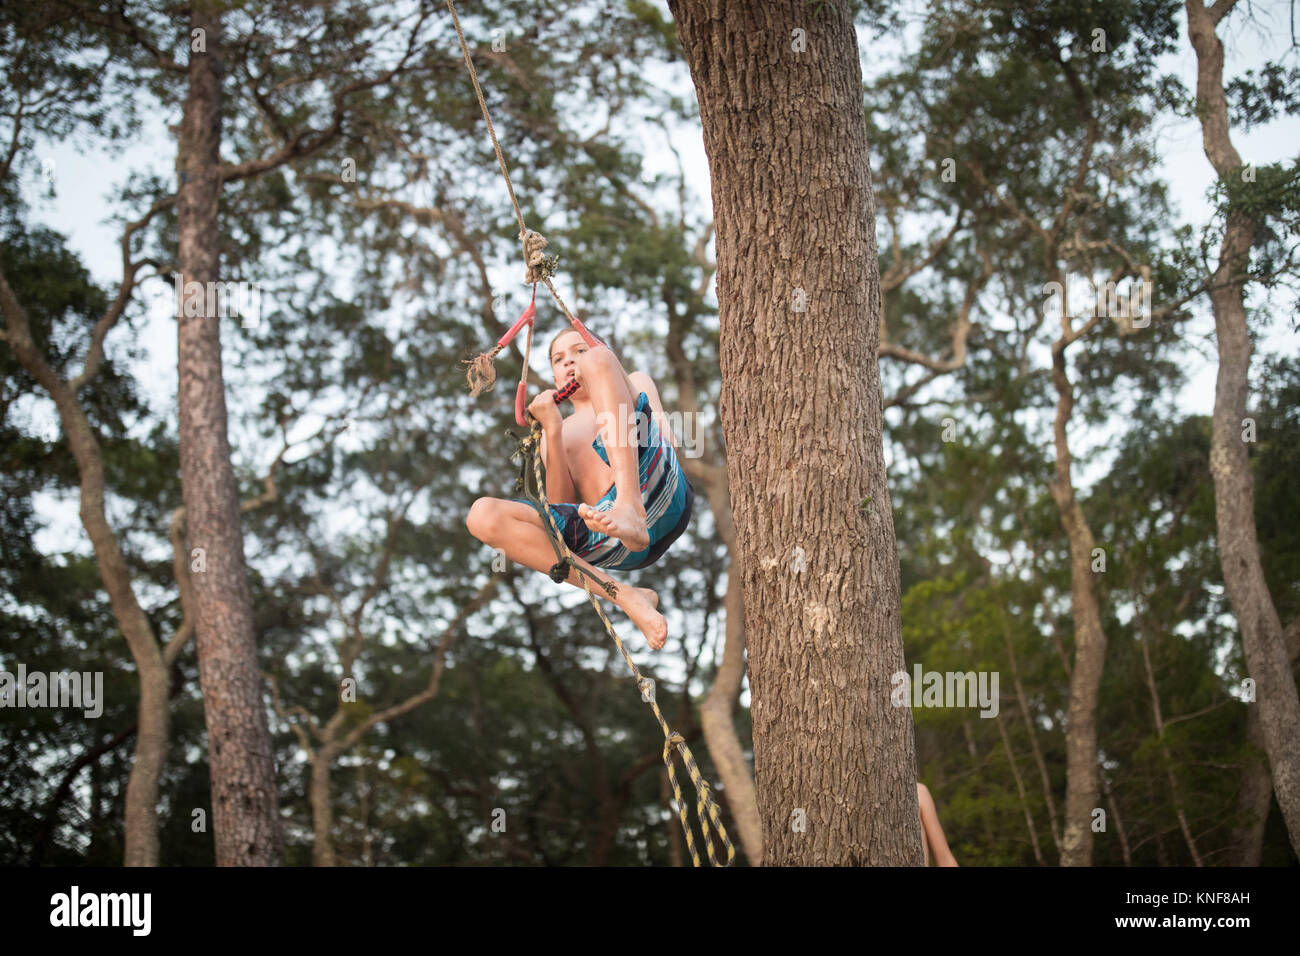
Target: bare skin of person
{"type": "Point", "coordinates": [575, 473]}
{"type": "Point", "coordinates": [931, 832]}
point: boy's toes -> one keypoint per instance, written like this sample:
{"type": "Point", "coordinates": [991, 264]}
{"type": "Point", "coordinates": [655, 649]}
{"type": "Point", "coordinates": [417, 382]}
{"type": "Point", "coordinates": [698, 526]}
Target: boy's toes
{"type": "Point", "coordinates": [596, 520]}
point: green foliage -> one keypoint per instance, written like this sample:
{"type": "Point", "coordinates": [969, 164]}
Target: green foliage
{"type": "Point", "coordinates": [1256, 98]}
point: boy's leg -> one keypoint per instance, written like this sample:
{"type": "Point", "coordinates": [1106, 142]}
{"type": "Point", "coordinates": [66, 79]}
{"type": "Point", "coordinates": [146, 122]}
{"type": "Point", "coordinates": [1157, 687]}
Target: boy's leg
{"type": "Point", "coordinates": [516, 528]}
{"type": "Point", "coordinates": [613, 399]}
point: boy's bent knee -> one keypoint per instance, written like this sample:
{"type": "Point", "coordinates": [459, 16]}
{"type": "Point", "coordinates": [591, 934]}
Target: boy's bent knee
{"type": "Point", "coordinates": [484, 519]}
{"type": "Point", "coordinates": [596, 361]}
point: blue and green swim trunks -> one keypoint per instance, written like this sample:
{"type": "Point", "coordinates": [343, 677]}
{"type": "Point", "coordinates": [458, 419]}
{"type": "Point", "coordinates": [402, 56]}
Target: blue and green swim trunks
{"type": "Point", "coordinates": [665, 491]}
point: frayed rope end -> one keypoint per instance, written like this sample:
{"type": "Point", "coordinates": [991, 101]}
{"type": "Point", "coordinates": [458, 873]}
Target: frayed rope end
{"type": "Point", "coordinates": [482, 375]}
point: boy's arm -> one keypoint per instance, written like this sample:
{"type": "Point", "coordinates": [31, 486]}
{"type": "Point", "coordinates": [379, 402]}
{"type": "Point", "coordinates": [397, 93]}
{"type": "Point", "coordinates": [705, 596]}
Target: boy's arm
{"type": "Point", "coordinates": [559, 483]}
{"type": "Point", "coordinates": [934, 833]}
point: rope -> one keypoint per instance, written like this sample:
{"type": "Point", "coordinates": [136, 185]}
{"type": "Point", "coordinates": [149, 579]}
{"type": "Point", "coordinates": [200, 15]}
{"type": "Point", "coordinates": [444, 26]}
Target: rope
{"type": "Point", "coordinates": [478, 90]}
{"type": "Point", "coordinates": [532, 481]}
{"type": "Point", "coordinates": [528, 354]}
{"type": "Point", "coordinates": [482, 376]}
{"type": "Point", "coordinates": [539, 267]}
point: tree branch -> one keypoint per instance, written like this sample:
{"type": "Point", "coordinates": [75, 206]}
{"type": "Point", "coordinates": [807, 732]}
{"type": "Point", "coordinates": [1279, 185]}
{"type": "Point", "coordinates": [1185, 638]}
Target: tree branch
{"type": "Point", "coordinates": [127, 286]}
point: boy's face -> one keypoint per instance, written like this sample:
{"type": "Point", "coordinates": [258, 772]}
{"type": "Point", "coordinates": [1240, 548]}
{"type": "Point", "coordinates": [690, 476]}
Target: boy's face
{"type": "Point", "coordinates": [564, 357]}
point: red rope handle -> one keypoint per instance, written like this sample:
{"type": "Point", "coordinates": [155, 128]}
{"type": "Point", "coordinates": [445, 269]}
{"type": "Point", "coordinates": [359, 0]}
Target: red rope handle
{"type": "Point", "coordinates": [527, 320]}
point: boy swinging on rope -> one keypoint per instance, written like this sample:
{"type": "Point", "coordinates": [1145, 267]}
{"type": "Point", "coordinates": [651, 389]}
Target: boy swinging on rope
{"type": "Point", "coordinates": [614, 485]}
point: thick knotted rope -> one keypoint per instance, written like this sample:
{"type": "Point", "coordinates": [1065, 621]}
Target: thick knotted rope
{"type": "Point", "coordinates": [539, 267]}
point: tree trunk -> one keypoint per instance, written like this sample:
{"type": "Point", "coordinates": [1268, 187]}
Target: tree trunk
{"type": "Point", "coordinates": [245, 808]}
{"type": "Point", "coordinates": [1166, 758]}
{"type": "Point", "coordinates": [1081, 786]}
{"type": "Point", "coordinates": [1162, 855]}
{"type": "Point", "coordinates": [1119, 821]}
{"type": "Point", "coordinates": [1022, 703]}
{"type": "Point", "coordinates": [1234, 485]}
{"type": "Point", "coordinates": [979, 771]}
{"type": "Point", "coordinates": [152, 714]}
{"type": "Point", "coordinates": [1020, 791]}
{"type": "Point", "coordinates": [1254, 798]}
{"type": "Point", "coordinates": [785, 133]}
{"type": "Point", "coordinates": [322, 808]}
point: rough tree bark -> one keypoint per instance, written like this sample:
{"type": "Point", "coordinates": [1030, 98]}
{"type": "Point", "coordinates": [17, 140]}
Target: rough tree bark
{"type": "Point", "coordinates": [785, 134]}
{"type": "Point", "coordinates": [245, 804]}
{"type": "Point", "coordinates": [1262, 637]}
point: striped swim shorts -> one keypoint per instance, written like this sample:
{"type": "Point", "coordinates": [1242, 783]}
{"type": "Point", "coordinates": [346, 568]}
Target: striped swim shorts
{"type": "Point", "coordinates": [665, 491]}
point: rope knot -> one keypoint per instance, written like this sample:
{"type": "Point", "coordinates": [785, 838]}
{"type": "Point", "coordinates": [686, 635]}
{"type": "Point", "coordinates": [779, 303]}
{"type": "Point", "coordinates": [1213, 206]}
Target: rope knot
{"type": "Point", "coordinates": [539, 265]}
{"type": "Point", "coordinates": [647, 686]}
{"type": "Point", "coordinates": [560, 571]}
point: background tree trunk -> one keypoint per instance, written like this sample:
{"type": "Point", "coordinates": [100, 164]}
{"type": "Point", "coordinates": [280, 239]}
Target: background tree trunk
{"type": "Point", "coordinates": [717, 721]}
{"type": "Point", "coordinates": [152, 663]}
{"type": "Point", "coordinates": [785, 133]}
{"type": "Point", "coordinates": [717, 713]}
{"type": "Point", "coordinates": [322, 807]}
{"type": "Point", "coordinates": [1234, 485]}
{"type": "Point", "coordinates": [1081, 785]}
{"type": "Point", "coordinates": [1254, 798]}
{"type": "Point", "coordinates": [245, 807]}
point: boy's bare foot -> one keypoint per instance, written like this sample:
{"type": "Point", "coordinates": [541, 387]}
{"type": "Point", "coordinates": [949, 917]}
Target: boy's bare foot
{"type": "Point", "coordinates": [644, 613]}
{"type": "Point", "coordinates": [626, 522]}
{"type": "Point", "coordinates": [649, 595]}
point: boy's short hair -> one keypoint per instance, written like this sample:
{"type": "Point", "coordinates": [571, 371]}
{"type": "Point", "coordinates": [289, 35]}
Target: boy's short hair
{"type": "Point", "coordinates": [550, 351]}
